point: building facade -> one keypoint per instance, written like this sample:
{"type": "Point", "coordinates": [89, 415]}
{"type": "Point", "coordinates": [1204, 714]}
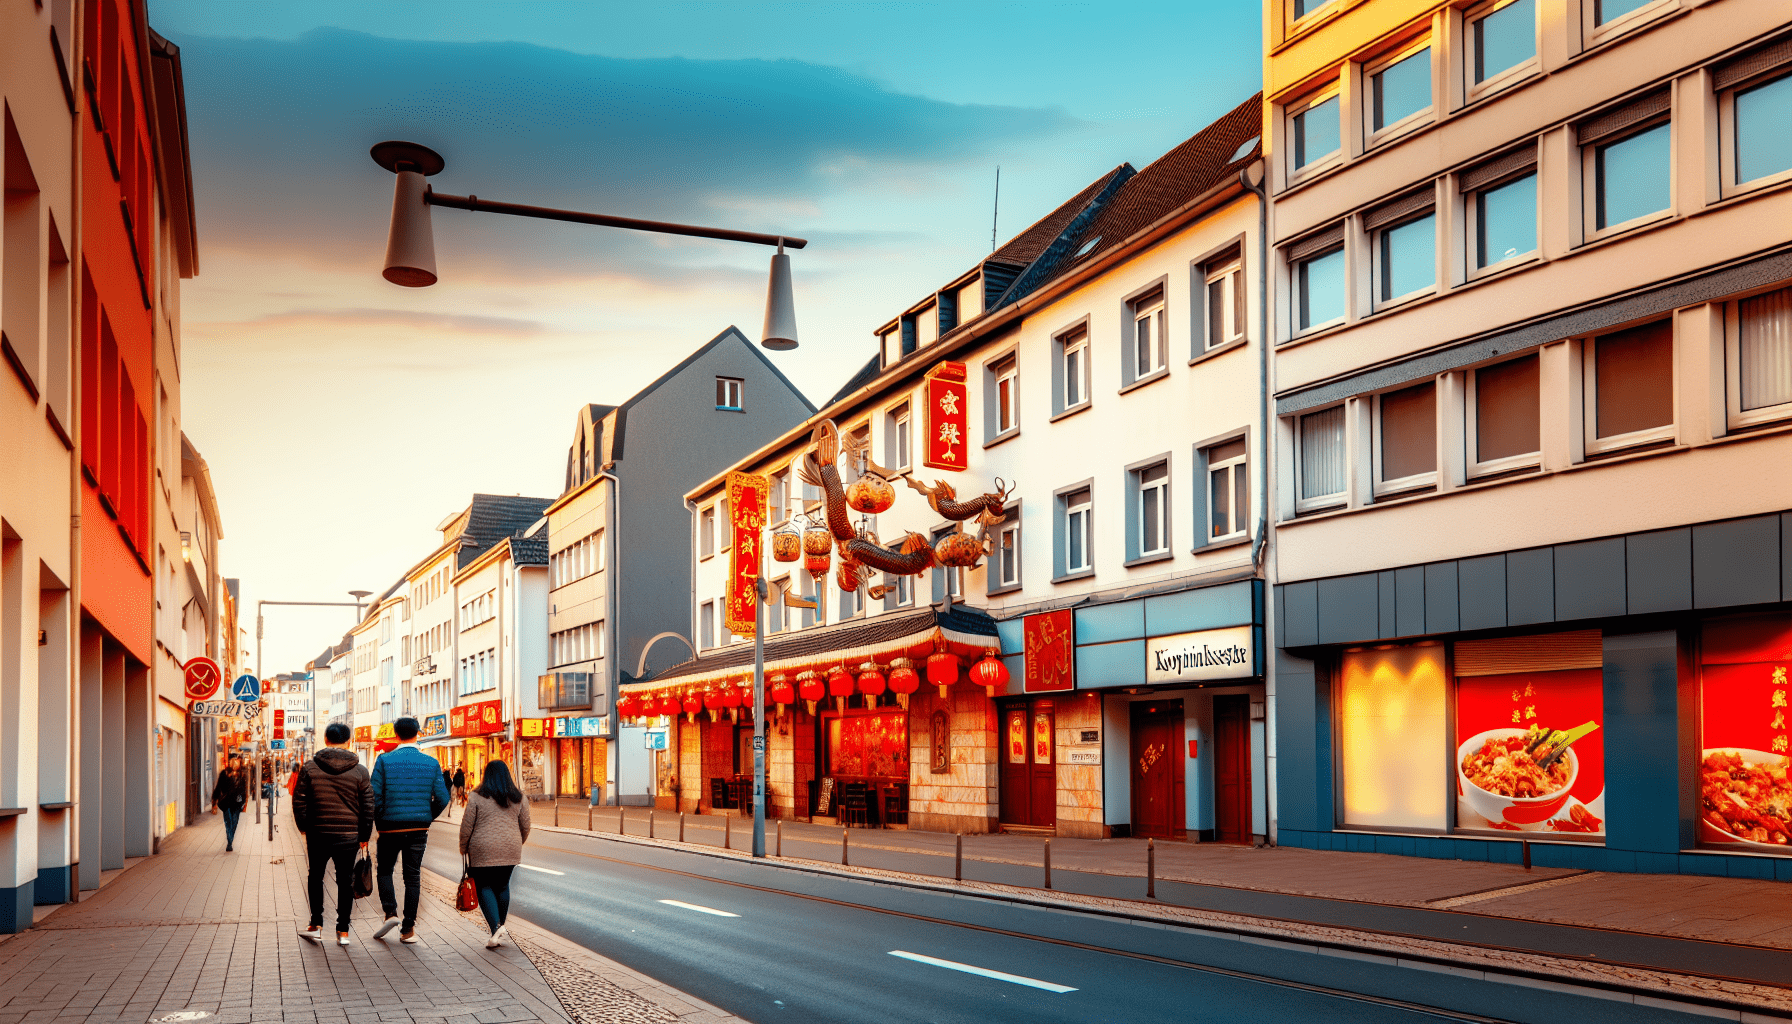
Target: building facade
{"type": "Point", "coordinates": [1533, 382]}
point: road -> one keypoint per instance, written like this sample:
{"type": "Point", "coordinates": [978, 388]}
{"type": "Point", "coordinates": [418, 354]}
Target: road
{"type": "Point", "coordinates": [778, 945]}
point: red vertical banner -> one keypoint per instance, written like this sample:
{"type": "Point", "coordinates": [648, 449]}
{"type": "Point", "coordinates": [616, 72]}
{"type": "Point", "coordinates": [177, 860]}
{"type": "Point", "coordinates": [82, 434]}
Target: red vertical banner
{"type": "Point", "coordinates": [947, 416]}
{"type": "Point", "coordinates": [746, 518]}
{"type": "Point", "coordinates": [1051, 651]}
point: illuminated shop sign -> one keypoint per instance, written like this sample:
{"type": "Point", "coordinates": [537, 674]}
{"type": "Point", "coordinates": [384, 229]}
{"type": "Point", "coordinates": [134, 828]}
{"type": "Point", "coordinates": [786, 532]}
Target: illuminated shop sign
{"type": "Point", "coordinates": [1201, 656]}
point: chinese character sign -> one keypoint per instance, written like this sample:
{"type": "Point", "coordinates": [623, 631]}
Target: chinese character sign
{"type": "Point", "coordinates": [947, 417]}
{"type": "Point", "coordinates": [746, 520]}
{"type": "Point", "coordinates": [1051, 651]}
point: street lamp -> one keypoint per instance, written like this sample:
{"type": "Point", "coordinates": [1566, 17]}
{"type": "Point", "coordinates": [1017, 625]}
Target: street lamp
{"type": "Point", "coordinates": [411, 247]}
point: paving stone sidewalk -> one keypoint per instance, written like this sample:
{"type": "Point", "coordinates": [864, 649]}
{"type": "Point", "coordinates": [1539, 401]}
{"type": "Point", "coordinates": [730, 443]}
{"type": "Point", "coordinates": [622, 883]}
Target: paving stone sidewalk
{"type": "Point", "coordinates": [196, 928]}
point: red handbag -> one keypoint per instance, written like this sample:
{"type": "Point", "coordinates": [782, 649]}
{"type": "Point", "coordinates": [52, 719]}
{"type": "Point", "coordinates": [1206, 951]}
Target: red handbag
{"type": "Point", "coordinates": [467, 896]}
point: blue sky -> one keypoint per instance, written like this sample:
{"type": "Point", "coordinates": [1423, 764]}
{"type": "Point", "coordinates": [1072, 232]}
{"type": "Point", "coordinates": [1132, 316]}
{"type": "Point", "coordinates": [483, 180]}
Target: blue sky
{"type": "Point", "coordinates": [340, 409]}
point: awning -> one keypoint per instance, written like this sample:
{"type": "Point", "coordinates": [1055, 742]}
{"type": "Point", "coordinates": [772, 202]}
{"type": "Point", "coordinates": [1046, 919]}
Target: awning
{"type": "Point", "coordinates": [964, 631]}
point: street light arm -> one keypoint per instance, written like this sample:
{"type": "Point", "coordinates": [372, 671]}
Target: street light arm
{"type": "Point", "coordinates": [478, 205]}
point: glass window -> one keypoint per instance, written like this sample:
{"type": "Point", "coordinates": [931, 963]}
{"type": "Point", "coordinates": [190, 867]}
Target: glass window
{"type": "Point", "coordinates": [1764, 351]}
{"type": "Point", "coordinates": [728, 393]}
{"type": "Point", "coordinates": [1148, 335]}
{"type": "Point", "coordinates": [1154, 534]}
{"type": "Point", "coordinates": [1320, 288]}
{"type": "Point", "coordinates": [1763, 145]}
{"type": "Point", "coordinates": [1506, 410]}
{"type": "Point", "coordinates": [1302, 8]}
{"type": "Point", "coordinates": [1408, 429]}
{"type": "Point", "coordinates": [905, 591]}
{"type": "Point", "coordinates": [706, 534]}
{"type": "Point", "coordinates": [1401, 89]}
{"type": "Point", "coordinates": [1631, 176]}
{"type": "Point", "coordinates": [1229, 495]}
{"type": "Point", "coordinates": [1076, 370]}
{"type": "Point", "coordinates": [1321, 464]}
{"type": "Point", "coordinates": [1076, 531]}
{"type": "Point", "coordinates": [707, 624]}
{"type": "Point", "coordinates": [1408, 258]}
{"type": "Point", "coordinates": [1007, 414]}
{"type": "Point", "coordinates": [1391, 731]}
{"type": "Point", "coordinates": [1008, 553]}
{"type": "Point", "coordinates": [902, 439]}
{"type": "Point", "coordinates": [1504, 39]}
{"type": "Point", "coordinates": [1225, 303]}
{"type": "Point", "coordinates": [1506, 221]}
{"type": "Point", "coordinates": [1604, 11]}
{"type": "Point", "coordinates": [1633, 377]}
{"type": "Point", "coordinates": [1316, 132]}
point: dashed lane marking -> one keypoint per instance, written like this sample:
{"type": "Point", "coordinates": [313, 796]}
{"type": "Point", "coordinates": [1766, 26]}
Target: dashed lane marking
{"type": "Point", "coordinates": [545, 871]}
{"type": "Point", "coordinates": [982, 972]}
{"type": "Point", "coordinates": [700, 910]}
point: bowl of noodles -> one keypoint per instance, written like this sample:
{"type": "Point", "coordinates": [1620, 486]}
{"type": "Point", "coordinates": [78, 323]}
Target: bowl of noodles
{"type": "Point", "coordinates": [1503, 783]}
{"type": "Point", "coordinates": [1745, 798]}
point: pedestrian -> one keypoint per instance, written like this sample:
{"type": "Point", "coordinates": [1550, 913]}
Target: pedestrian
{"type": "Point", "coordinates": [493, 829]}
{"type": "Point", "coordinates": [460, 785]}
{"type": "Point", "coordinates": [229, 796]}
{"type": "Point", "coordinates": [408, 794]}
{"type": "Point", "coordinates": [332, 805]}
{"type": "Point", "coordinates": [448, 780]}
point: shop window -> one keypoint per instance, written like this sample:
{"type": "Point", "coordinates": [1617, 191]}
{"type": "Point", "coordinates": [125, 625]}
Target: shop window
{"type": "Point", "coordinates": [1504, 416]}
{"type": "Point", "coordinates": [1760, 363]}
{"type": "Point", "coordinates": [1745, 795]}
{"type": "Point", "coordinates": [1391, 729]}
{"type": "Point", "coordinates": [1314, 133]}
{"type": "Point", "coordinates": [1399, 92]}
{"type": "Point", "coordinates": [1404, 236]}
{"type": "Point", "coordinates": [1630, 387]}
{"type": "Point", "coordinates": [1754, 95]}
{"type": "Point", "coordinates": [1503, 39]}
{"type": "Point", "coordinates": [1406, 439]}
{"type": "Point", "coordinates": [1146, 354]}
{"type": "Point", "coordinates": [1317, 266]}
{"type": "Point", "coordinates": [1627, 156]}
{"type": "Point", "coordinates": [1225, 297]}
{"type": "Point", "coordinates": [1319, 461]}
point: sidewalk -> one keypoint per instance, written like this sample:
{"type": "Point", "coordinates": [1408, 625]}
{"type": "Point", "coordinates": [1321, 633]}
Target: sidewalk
{"type": "Point", "coordinates": [197, 929]}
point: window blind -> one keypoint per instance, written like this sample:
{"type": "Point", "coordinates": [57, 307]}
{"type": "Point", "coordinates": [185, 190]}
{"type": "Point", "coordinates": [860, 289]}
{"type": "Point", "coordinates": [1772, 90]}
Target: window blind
{"type": "Point", "coordinates": [1331, 238]}
{"type": "Point", "coordinates": [1765, 355]}
{"type": "Point", "coordinates": [1749, 65]}
{"type": "Point", "coordinates": [1610, 123]}
{"type": "Point", "coordinates": [1553, 652]}
{"type": "Point", "coordinates": [1500, 168]}
{"type": "Point", "coordinates": [1400, 208]}
{"type": "Point", "coordinates": [1322, 453]}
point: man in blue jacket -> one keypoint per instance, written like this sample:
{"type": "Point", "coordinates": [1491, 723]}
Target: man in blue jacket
{"type": "Point", "coordinates": [408, 794]}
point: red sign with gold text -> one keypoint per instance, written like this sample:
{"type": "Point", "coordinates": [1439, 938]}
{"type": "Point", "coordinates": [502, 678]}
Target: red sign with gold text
{"type": "Point", "coordinates": [1051, 651]}
{"type": "Point", "coordinates": [947, 412]}
{"type": "Point", "coordinates": [203, 677]}
{"type": "Point", "coordinates": [746, 518]}
{"type": "Point", "coordinates": [1745, 722]}
{"type": "Point", "coordinates": [479, 719]}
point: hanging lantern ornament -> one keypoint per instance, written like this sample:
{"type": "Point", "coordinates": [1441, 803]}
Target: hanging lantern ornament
{"type": "Point", "coordinates": [871, 682]}
{"type": "Point", "coordinates": [810, 688]}
{"type": "Point", "coordinates": [942, 671]}
{"type": "Point", "coordinates": [818, 540]}
{"type": "Point", "coordinates": [990, 674]}
{"type": "Point", "coordinates": [625, 706]}
{"type": "Point", "coordinates": [787, 544]}
{"type": "Point", "coordinates": [782, 693]}
{"type": "Point", "coordinates": [692, 702]}
{"type": "Point", "coordinates": [668, 704]}
{"type": "Point", "coordinates": [840, 687]}
{"type": "Point", "coordinates": [904, 680]}
{"type": "Point", "coordinates": [870, 494]}
{"type": "Point", "coordinates": [958, 550]}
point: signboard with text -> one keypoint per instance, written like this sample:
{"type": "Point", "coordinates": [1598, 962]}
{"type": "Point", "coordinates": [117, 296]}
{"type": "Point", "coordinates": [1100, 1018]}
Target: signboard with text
{"type": "Point", "coordinates": [433, 726]}
{"type": "Point", "coordinates": [1201, 656]}
{"type": "Point", "coordinates": [1050, 651]}
{"type": "Point", "coordinates": [947, 417]}
{"type": "Point", "coordinates": [746, 521]}
{"type": "Point", "coordinates": [580, 727]}
{"type": "Point", "coordinates": [479, 719]}
{"type": "Point", "coordinates": [221, 709]}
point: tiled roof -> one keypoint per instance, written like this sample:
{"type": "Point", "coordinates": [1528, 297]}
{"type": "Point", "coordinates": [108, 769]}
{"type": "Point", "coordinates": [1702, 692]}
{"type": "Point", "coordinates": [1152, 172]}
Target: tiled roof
{"type": "Point", "coordinates": [866, 375]}
{"type": "Point", "coordinates": [529, 550]}
{"type": "Point", "coordinates": [839, 636]}
{"type": "Point", "coordinates": [1030, 244]}
{"type": "Point", "coordinates": [493, 517]}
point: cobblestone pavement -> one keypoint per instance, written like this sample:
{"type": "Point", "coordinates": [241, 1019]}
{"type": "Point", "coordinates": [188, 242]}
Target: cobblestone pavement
{"type": "Point", "coordinates": [196, 928]}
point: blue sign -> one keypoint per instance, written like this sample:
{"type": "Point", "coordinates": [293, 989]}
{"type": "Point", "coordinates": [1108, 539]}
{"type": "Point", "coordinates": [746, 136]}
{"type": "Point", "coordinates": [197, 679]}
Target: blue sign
{"type": "Point", "coordinates": [246, 688]}
{"type": "Point", "coordinates": [277, 745]}
{"type": "Point", "coordinates": [654, 739]}
{"type": "Point", "coordinates": [573, 727]}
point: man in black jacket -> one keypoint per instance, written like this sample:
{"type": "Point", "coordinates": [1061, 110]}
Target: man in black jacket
{"type": "Point", "coordinates": [333, 806]}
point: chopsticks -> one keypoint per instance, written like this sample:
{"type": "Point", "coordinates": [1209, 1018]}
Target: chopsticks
{"type": "Point", "coordinates": [1548, 745]}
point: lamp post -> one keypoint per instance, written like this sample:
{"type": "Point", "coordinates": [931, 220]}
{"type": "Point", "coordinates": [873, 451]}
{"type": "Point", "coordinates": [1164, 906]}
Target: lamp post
{"type": "Point", "coordinates": [410, 244]}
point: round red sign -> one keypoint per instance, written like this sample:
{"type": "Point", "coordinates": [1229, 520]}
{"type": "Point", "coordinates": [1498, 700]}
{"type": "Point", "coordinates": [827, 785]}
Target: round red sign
{"type": "Point", "coordinates": [203, 678]}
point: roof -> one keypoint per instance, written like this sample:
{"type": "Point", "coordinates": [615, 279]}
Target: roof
{"type": "Point", "coordinates": [529, 550]}
{"type": "Point", "coordinates": [493, 517]}
{"type": "Point", "coordinates": [866, 375]}
{"type": "Point", "coordinates": [1032, 243]}
{"type": "Point", "coordinates": [616, 449]}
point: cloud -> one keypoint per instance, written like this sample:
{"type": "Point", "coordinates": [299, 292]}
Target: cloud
{"type": "Point", "coordinates": [372, 319]}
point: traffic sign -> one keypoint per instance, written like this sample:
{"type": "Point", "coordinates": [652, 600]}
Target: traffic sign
{"type": "Point", "coordinates": [246, 688]}
{"type": "Point", "coordinates": [277, 745]}
{"type": "Point", "coordinates": [654, 739]}
{"type": "Point", "coordinates": [203, 676]}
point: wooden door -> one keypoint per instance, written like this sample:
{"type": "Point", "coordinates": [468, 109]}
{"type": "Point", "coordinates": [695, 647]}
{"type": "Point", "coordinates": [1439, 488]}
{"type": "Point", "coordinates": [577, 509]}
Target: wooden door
{"type": "Point", "coordinates": [1232, 768]}
{"type": "Point", "coordinates": [1029, 766]}
{"type": "Point", "coordinates": [1044, 775]}
{"type": "Point", "coordinates": [1157, 769]}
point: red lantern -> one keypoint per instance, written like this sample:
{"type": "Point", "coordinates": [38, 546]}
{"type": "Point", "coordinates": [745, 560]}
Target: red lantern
{"type": "Point", "coordinates": [668, 704]}
{"type": "Point", "coordinates": [810, 688]}
{"type": "Point", "coordinates": [692, 703]}
{"type": "Point", "coordinates": [904, 680]}
{"type": "Point", "coordinates": [625, 706]}
{"type": "Point", "coordinates": [840, 687]}
{"type": "Point", "coordinates": [871, 681]}
{"type": "Point", "coordinates": [990, 674]}
{"type": "Point", "coordinates": [782, 692]}
{"type": "Point", "coordinates": [942, 671]}
{"type": "Point", "coordinates": [730, 697]}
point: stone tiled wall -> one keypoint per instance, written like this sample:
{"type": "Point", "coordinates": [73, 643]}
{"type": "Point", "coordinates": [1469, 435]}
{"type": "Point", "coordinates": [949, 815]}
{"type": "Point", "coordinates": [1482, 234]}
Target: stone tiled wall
{"type": "Point", "coordinates": [964, 799]}
{"type": "Point", "coordinates": [1079, 785]}
{"type": "Point", "coordinates": [690, 765]}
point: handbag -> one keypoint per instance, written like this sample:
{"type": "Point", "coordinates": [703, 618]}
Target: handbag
{"type": "Point", "coordinates": [467, 896]}
{"type": "Point", "coordinates": [363, 876]}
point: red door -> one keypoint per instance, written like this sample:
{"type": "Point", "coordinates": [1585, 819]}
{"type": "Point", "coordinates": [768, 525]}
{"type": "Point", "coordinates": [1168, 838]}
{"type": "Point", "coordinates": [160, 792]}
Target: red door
{"type": "Point", "coordinates": [1157, 772]}
{"type": "Point", "coordinates": [1029, 771]}
{"type": "Point", "coordinates": [1232, 768]}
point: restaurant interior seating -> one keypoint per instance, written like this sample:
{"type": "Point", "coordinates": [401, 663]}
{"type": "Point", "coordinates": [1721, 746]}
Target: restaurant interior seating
{"type": "Point", "coordinates": [855, 805]}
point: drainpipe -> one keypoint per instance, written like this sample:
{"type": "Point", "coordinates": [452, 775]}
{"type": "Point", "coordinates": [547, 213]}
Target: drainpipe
{"type": "Point", "coordinates": [612, 630]}
{"type": "Point", "coordinates": [1252, 178]}
{"type": "Point", "coordinates": [77, 265]}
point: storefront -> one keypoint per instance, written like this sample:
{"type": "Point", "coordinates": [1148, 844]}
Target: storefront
{"type": "Point", "coordinates": [479, 727]}
{"type": "Point", "coordinates": [534, 772]}
{"type": "Point", "coordinates": [433, 739]}
{"type": "Point", "coordinates": [1650, 741]}
{"type": "Point", "coordinates": [580, 755]}
{"type": "Point", "coordinates": [363, 743]}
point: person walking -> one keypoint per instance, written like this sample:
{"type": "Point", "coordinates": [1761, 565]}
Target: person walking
{"type": "Point", "coordinates": [408, 794]}
{"type": "Point", "coordinates": [229, 796]}
{"type": "Point", "coordinates": [493, 829]}
{"type": "Point", "coordinates": [332, 805]}
{"type": "Point", "coordinates": [448, 780]}
{"type": "Point", "coordinates": [460, 785]}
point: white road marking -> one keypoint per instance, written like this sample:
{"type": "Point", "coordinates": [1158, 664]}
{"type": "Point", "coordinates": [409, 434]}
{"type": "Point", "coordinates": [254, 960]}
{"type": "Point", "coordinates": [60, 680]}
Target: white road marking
{"type": "Point", "coordinates": [545, 871]}
{"type": "Point", "coordinates": [953, 965]}
{"type": "Point", "coordinates": [700, 910]}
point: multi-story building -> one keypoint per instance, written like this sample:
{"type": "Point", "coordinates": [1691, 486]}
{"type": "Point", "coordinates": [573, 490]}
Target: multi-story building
{"type": "Point", "coordinates": [364, 680]}
{"type": "Point", "coordinates": [618, 608]}
{"type": "Point", "coordinates": [1101, 372]}
{"type": "Point", "coordinates": [1533, 385]}
{"type": "Point", "coordinates": [187, 624]}
{"type": "Point", "coordinates": [431, 686]}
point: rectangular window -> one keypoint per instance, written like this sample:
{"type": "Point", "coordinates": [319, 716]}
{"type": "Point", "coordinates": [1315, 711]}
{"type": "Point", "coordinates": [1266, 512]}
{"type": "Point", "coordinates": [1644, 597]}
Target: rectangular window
{"type": "Point", "coordinates": [1607, 11]}
{"type": "Point", "coordinates": [1315, 132]}
{"type": "Point", "coordinates": [1631, 177]}
{"type": "Point", "coordinates": [1391, 738]}
{"type": "Point", "coordinates": [1148, 321]}
{"type": "Point", "coordinates": [1504, 416]}
{"type": "Point", "coordinates": [1150, 511]}
{"type": "Point", "coordinates": [1225, 302]}
{"type": "Point", "coordinates": [1761, 148]}
{"type": "Point", "coordinates": [724, 531]}
{"type": "Point", "coordinates": [1320, 461]}
{"type": "Point", "coordinates": [1302, 8]}
{"type": "Point", "coordinates": [728, 393]}
{"type": "Point", "coordinates": [1319, 290]}
{"type": "Point", "coordinates": [1504, 38]}
{"type": "Point", "coordinates": [900, 437]}
{"type": "Point", "coordinates": [1761, 359]}
{"type": "Point", "coordinates": [1504, 222]}
{"type": "Point", "coordinates": [905, 591]}
{"type": "Point", "coordinates": [1406, 441]}
{"type": "Point", "coordinates": [1399, 90]}
{"type": "Point", "coordinates": [1078, 534]}
{"type": "Point", "coordinates": [1007, 560]}
{"type": "Point", "coordinates": [1630, 377]}
{"type": "Point", "coordinates": [1075, 354]}
{"type": "Point", "coordinates": [1007, 409]}
{"type": "Point", "coordinates": [1229, 494]}
{"type": "Point", "coordinates": [706, 532]}
{"type": "Point", "coordinates": [1406, 259]}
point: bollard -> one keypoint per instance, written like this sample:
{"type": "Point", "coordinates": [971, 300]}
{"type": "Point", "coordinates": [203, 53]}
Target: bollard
{"type": "Point", "coordinates": [780, 852]}
{"type": "Point", "coordinates": [727, 832]}
{"type": "Point", "coordinates": [681, 826]}
{"type": "Point", "coordinates": [650, 824]}
{"type": "Point", "coordinates": [1151, 869]}
{"type": "Point", "coordinates": [1048, 863]}
{"type": "Point", "coordinates": [556, 813]}
{"type": "Point", "coordinates": [590, 809]}
{"type": "Point", "coordinates": [843, 835]}
{"type": "Point", "coordinates": [1525, 847]}
{"type": "Point", "coordinates": [621, 821]}
{"type": "Point", "coordinates": [958, 858]}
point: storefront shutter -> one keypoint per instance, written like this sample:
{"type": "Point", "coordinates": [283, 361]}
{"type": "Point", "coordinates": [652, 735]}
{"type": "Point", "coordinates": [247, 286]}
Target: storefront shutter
{"type": "Point", "coordinates": [1553, 652]}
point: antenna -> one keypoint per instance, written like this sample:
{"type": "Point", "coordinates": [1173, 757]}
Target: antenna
{"type": "Point", "coordinates": [997, 212]}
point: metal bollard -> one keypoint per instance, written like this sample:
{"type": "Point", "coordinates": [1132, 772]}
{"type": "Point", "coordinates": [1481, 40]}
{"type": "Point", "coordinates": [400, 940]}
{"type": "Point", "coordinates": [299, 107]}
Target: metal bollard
{"type": "Point", "coordinates": [1525, 847]}
{"type": "Point", "coordinates": [727, 832]}
{"type": "Point", "coordinates": [1151, 869]}
{"type": "Point", "coordinates": [681, 826]}
{"type": "Point", "coordinates": [780, 852]}
{"type": "Point", "coordinates": [650, 824]}
{"type": "Point", "coordinates": [590, 809]}
{"type": "Point", "coordinates": [1048, 863]}
{"type": "Point", "coordinates": [556, 813]}
{"type": "Point", "coordinates": [621, 821]}
{"type": "Point", "coordinates": [843, 834]}
{"type": "Point", "coordinates": [958, 859]}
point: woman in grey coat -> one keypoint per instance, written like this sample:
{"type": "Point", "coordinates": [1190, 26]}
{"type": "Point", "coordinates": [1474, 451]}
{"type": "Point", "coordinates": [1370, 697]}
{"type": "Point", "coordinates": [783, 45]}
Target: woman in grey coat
{"type": "Point", "coordinates": [493, 828]}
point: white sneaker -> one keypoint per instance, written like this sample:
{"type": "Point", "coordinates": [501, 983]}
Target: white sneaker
{"type": "Point", "coordinates": [493, 942]}
{"type": "Point", "coordinates": [315, 934]}
{"type": "Point", "coordinates": [504, 933]}
{"type": "Point", "coordinates": [342, 938]}
{"type": "Point", "coordinates": [411, 939]}
{"type": "Point", "coordinates": [391, 923]}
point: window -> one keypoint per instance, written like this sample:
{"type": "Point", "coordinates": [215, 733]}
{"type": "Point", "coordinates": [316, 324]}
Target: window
{"type": "Point", "coordinates": [1228, 491]}
{"type": "Point", "coordinates": [774, 607]}
{"type": "Point", "coordinates": [1627, 153]}
{"type": "Point", "coordinates": [778, 498]}
{"type": "Point", "coordinates": [1005, 407]}
{"type": "Point", "coordinates": [1314, 131]}
{"type": "Point", "coordinates": [905, 591]}
{"type": "Point", "coordinates": [1502, 39]}
{"type": "Point", "coordinates": [1074, 373]}
{"type": "Point", "coordinates": [1226, 309]}
{"type": "Point", "coordinates": [1757, 150]}
{"type": "Point", "coordinates": [706, 532]}
{"type": "Point", "coordinates": [1504, 422]}
{"type": "Point", "coordinates": [1406, 438]}
{"type": "Point", "coordinates": [1153, 506]}
{"type": "Point", "coordinates": [1405, 259]}
{"type": "Point", "coordinates": [1630, 387]}
{"type": "Point", "coordinates": [945, 578]}
{"type": "Point", "coordinates": [1301, 8]}
{"type": "Point", "coordinates": [1005, 566]}
{"type": "Point", "coordinates": [1501, 205]}
{"type": "Point", "coordinates": [726, 531]}
{"type": "Point", "coordinates": [900, 438]}
{"type": "Point", "coordinates": [1078, 532]}
{"type": "Point", "coordinates": [1148, 321]}
{"type": "Point", "coordinates": [1399, 91]}
{"type": "Point", "coordinates": [728, 393]}
{"type": "Point", "coordinates": [1607, 11]}
{"type": "Point", "coordinates": [1760, 363]}
{"type": "Point", "coordinates": [1318, 268]}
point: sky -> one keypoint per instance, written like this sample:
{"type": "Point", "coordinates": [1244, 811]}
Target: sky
{"type": "Point", "coordinates": [344, 417]}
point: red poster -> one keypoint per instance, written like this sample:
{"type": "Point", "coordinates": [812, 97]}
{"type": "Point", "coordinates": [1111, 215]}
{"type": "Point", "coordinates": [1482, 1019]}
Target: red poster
{"type": "Point", "coordinates": [746, 518]}
{"type": "Point", "coordinates": [479, 719]}
{"type": "Point", "coordinates": [1050, 651]}
{"type": "Point", "coordinates": [947, 417]}
{"type": "Point", "coordinates": [1506, 730]}
{"type": "Point", "coordinates": [1745, 793]}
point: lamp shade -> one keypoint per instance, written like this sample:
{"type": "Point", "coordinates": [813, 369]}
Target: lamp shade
{"type": "Point", "coordinates": [411, 243]}
{"type": "Point", "coordinates": [780, 306]}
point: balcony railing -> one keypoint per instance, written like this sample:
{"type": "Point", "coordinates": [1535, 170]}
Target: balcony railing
{"type": "Point", "coordinates": [565, 691]}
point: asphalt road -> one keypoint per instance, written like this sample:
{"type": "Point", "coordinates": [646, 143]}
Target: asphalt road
{"type": "Point", "coordinates": [778, 945]}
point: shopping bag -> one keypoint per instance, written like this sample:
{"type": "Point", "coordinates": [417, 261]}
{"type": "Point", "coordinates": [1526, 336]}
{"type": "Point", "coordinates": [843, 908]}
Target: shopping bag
{"type": "Point", "coordinates": [363, 876]}
{"type": "Point", "coordinates": [467, 896]}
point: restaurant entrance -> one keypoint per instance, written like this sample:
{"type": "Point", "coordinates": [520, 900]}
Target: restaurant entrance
{"type": "Point", "coordinates": [1232, 768]}
{"type": "Point", "coordinates": [1029, 772]}
{"type": "Point", "coordinates": [1158, 800]}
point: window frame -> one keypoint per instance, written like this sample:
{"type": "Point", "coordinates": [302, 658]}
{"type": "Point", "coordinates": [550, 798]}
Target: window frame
{"type": "Point", "coordinates": [1086, 509]}
{"type": "Point", "coordinates": [1290, 111]}
{"type": "Point", "coordinates": [1471, 221]}
{"type": "Point", "coordinates": [1378, 258]}
{"type": "Point", "coordinates": [1072, 341]}
{"type": "Point", "coordinates": [1008, 538]}
{"type": "Point", "coordinates": [1235, 468]}
{"type": "Point", "coordinates": [1589, 371]}
{"type": "Point", "coordinates": [1471, 435]}
{"type": "Point", "coordinates": [1007, 375]}
{"type": "Point", "coordinates": [1728, 136]}
{"type": "Point", "coordinates": [1293, 19]}
{"type": "Point", "coordinates": [1593, 33]}
{"type": "Point", "coordinates": [1297, 291]}
{"type": "Point", "coordinates": [1734, 415]}
{"type": "Point", "coordinates": [1136, 488]}
{"type": "Point", "coordinates": [1593, 187]}
{"type": "Point", "coordinates": [1235, 312]}
{"type": "Point", "coordinates": [706, 533]}
{"type": "Point", "coordinates": [1414, 481]}
{"type": "Point", "coordinates": [1150, 306]}
{"type": "Point", "coordinates": [1373, 136]}
{"type": "Point", "coordinates": [730, 387]}
{"type": "Point", "coordinates": [1472, 90]}
{"type": "Point", "coordinates": [900, 424]}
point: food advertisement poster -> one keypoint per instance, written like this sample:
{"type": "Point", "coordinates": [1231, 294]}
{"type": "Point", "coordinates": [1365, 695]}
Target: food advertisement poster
{"type": "Point", "coordinates": [1530, 753]}
{"type": "Point", "coordinates": [1745, 795]}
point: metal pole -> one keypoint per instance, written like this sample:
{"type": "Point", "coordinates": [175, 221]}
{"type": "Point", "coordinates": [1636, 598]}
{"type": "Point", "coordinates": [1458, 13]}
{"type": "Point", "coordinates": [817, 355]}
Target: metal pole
{"type": "Point", "coordinates": [621, 819]}
{"type": "Point", "coordinates": [1048, 863]}
{"type": "Point", "coordinates": [727, 832]}
{"type": "Point", "coordinates": [650, 824]}
{"type": "Point", "coordinates": [477, 205]}
{"type": "Point", "coordinates": [759, 713]}
{"type": "Point", "coordinates": [1151, 869]}
{"type": "Point", "coordinates": [958, 858]}
{"type": "Point", "coordinates": [844, 832]}
{"type": "Point", "coordinates": [681, 826]}
{"type": "Point", "coordinates": [255, 780]}
{"type": "Point", "coordinates": [780, 837]}
{"type": "Point", "coordinates": [588, 810]}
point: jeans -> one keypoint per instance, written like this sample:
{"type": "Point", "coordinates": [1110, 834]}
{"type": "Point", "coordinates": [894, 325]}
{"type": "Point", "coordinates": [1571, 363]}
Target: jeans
{"type": "Point", "coordinates": [231, 817]}
{"type": "Point", "coordinates": [321, 850]}
{"type": "Point", "coordinates": [410, 845]}
{"type": "Point", "coordinates": [494, 893]}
